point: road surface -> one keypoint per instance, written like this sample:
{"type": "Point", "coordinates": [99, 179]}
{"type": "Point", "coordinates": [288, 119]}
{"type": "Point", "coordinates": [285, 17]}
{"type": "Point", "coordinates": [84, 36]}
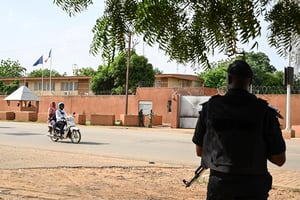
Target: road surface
{"type": "Point", "coordinates": [165, 145]}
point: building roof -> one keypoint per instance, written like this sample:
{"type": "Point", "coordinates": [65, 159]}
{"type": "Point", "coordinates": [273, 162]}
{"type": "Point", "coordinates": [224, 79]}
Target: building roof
{"type": "Point", "coordinates": [179, 76]}
{"type": "Point", "coordinates": [23, 93]}
{"type": "Point", "coordinates": [48, 78]}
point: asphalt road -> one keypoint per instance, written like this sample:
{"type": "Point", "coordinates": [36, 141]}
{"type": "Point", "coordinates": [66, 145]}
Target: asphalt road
{"type": "Point", "coordinates": [166, 145]}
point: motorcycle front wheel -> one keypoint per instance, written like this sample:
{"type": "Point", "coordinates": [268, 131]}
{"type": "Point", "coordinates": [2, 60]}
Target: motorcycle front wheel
{"type": "Point", "coordinates": [75, 136]}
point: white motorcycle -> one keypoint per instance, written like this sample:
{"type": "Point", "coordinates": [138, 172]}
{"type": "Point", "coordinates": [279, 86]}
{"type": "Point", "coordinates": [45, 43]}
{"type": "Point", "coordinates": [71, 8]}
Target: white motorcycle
{"type": "Point", "coordinates": [70, 131]}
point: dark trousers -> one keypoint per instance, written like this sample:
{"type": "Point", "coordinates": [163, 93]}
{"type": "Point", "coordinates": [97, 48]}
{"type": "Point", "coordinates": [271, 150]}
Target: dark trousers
{"type": "Point", "coordinates": [141, 121]}
{"type": "Point", "coordinates": [61, 125]}
{"type": "Point", "coordinates": [238, 187]}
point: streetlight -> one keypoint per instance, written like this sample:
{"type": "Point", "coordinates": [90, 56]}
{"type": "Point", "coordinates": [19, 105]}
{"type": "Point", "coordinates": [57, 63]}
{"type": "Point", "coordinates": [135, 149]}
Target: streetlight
{"type": "Point", "coordinates": [25, 70]}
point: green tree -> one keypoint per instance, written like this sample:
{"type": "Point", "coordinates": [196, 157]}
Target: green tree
{"type": "Point", "coordinates": [215, 77]}
{"type": "Point", "coordinates": [261, 66]}
{"type": "Point", "coordinates": [113, 77]}
{"type": "Point", "coordinates": [43, 73]}
{"type": "Point", "coordinates": [297, 80]}
{"type": "Point", "coordinates": [102, 81]}
{"type": "Point", "coordinates": [11, 69]}
{"type": "Point", "coordinates": [264, 74]}
{"type": "Point", "coordinates": [86, 71]}
{"type": "Point", "coordinates": [7, 89]}
{"type": "Point", "coordinates": [189, 30]}
{"type": "Point", "coordinates": [273, 79]}
{"type": "Point", "coordinates": [158, 71]}
{"type": "Point", "coordinates": [140, 72]}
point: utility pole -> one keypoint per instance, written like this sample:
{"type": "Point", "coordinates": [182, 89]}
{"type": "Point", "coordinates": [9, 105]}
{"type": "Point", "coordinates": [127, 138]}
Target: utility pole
{"type": "Point", "coordinates": [288, 80]}
{"type": "Point", "coordinates": [127, 73]}
{"type": "Point", "coordinates": [289, 76]}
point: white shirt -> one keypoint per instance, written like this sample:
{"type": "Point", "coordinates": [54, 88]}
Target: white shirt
{"type": "Point", "coordinates": [60, 114]}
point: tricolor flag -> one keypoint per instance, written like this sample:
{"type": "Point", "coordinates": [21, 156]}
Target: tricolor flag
{"type": "Point", "coordinates": [39, 61]}
{"type": "Point", "coordinates": [49, 56]}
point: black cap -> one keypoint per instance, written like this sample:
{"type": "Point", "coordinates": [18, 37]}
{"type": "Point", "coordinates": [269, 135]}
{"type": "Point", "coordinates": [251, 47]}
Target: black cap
{"type": "Point", "coordinates": [240, 68]}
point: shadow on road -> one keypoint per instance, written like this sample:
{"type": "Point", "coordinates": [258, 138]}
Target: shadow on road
{"type": "Point", "coordinates": [6, 127]}
{"type": "Point", "coordinates": [85, 143]}
{"type": "Point", "coordinates": [22, 134]}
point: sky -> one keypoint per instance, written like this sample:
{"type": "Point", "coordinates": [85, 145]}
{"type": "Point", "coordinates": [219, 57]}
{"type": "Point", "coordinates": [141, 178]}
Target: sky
{"type": "Point", "coordinates": [31, 28]}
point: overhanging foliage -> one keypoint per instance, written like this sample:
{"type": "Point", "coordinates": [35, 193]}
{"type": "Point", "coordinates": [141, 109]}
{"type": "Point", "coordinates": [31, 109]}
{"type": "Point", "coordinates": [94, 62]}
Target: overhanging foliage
{"type": "Point", "coordinates": [190, 30]}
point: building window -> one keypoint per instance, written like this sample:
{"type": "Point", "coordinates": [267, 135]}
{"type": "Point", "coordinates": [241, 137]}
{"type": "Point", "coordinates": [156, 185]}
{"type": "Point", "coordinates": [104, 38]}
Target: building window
{"type": "Point", "coordinates": [183, 83]}
{"type": "Point", "coordinates": [45, 86]}
{"type": "Point", "coordinates": [69, 86]}
{"type": "Point", "coordinates": [66, 86]}
{"type": "Point", "coordinates": [169, 106]}
{"type": "Point", "coordinates": [52, 86]}
{"type": "Point", "coordinates": [157, 83]}
{"type": "Point", "coordinates": [75, 84]}
{"type": "Point", "coordinates": [37, 86]}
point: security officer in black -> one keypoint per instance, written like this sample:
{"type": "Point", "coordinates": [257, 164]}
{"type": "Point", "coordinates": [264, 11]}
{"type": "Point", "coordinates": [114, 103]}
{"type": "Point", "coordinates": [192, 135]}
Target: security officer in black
{"type": "Point", "coordinates": [235, 136]}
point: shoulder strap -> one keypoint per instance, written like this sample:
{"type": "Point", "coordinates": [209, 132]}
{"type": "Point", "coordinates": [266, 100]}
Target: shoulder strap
{"type": "Point", "coordinates": [271, 108]}
{"type": "Point", "coordinates": [263, 102]}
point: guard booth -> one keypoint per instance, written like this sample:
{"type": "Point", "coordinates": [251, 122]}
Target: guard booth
{"type": "Point", "coordinates": [24, 103]}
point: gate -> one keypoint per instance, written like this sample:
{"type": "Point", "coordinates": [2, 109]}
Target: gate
{"type": "Point", "coordinates": [189, 107]}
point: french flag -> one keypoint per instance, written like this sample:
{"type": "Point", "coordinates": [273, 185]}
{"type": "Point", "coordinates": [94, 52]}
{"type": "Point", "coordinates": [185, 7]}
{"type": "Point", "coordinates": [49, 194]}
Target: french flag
{"type": "Point", "coordinates": [49, 56]}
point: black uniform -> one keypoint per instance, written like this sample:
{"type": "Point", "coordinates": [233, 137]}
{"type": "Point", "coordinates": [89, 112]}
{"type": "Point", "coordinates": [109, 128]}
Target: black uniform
{"type": "Point", "coordinates": [237, 133]}
{"type": "Point", "coordinates": [141, 118]}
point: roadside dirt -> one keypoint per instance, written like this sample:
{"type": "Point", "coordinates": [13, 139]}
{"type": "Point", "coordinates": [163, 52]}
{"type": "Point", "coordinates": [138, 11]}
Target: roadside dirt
{"type": "Point", "coordinates": [32, 174]}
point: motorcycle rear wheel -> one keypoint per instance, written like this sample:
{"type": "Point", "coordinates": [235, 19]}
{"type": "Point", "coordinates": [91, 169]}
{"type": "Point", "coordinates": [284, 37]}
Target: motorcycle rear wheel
{"type": "Point", "coordinates": [52, 136]}
{"type": "Point", "coordinates": [75, 136]}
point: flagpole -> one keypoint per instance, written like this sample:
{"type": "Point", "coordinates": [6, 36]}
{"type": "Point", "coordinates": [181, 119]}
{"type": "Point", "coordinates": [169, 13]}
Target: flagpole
{"type": "Point", "coordinates": [24, 75]}
{"type": "Point", "coordinates": [40, 61]}
{"type": "Point", "coordinates": [42, 78]}
{"type": "Point", "coordinates": [50, 71]}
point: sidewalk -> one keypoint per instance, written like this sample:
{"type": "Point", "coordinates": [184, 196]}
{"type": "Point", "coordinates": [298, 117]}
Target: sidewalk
{"type": "Point", "coordinates": [286, 178]}
{"type": "Point", "coordinates": [281, 177]}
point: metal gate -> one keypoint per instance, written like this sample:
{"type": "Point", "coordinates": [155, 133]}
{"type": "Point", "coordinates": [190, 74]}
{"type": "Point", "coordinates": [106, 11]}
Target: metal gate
{"type": "Point", "coordinates": [146, 106]}
{"type": "Point", "coordinates": [189, 107]}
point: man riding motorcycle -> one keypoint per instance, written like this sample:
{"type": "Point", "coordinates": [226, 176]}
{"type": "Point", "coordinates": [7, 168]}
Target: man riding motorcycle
{"type": "Point", "coordinates": [61, 116]}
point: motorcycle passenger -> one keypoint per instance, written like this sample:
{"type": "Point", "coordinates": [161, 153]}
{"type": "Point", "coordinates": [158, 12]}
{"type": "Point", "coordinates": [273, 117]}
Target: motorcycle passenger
{"type": "Point", "coordinates": [52, 113]}
{"type": "Point", "coordinates": [61, 116]}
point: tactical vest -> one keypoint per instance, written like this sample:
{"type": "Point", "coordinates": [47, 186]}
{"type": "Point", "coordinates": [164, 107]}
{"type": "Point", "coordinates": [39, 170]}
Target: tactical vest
{"type": "Point", "coordinates": [234, 141]}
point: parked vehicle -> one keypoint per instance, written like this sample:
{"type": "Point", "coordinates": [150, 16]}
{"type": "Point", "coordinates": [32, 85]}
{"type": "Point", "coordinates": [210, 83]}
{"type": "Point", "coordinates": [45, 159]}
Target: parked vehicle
{"type": "Point", "coordinates": [70, 131]}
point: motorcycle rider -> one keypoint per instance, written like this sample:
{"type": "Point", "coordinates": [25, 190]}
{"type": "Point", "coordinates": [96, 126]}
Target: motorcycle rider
{"type": "Point", "coordinates": [61, 116]}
